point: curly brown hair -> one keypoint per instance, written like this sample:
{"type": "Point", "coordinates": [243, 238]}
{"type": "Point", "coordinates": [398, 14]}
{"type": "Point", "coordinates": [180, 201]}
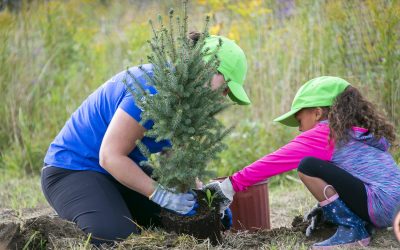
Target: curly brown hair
{"type": "Point", "coordinates": [349, 109]}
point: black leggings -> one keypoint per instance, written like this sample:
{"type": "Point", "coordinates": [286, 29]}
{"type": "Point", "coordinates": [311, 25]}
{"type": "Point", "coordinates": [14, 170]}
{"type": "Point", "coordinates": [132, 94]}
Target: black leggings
{"type": "Point", "coordinates": [350, 189]}
{"type": "Point", "coordinates": [98, 203]}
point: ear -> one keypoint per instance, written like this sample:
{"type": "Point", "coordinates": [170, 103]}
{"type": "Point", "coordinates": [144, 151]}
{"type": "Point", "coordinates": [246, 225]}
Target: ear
{"type": "Point", "coordinates": [318, 113]}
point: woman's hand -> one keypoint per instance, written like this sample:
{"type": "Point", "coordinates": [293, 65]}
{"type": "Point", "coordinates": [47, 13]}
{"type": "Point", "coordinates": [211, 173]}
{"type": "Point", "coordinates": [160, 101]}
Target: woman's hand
{"type": "Point", "coordinates": [181, 203]}
{"type": "Point", "coordinates": [223, 191]}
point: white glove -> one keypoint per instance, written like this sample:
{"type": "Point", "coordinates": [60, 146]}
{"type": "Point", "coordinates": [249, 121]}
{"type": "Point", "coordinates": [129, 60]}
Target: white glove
{"type": "Point", "coordinates": [223, 192]}
{"type": "Point", "coordinates": [314, 216]}
{"type": "Point", "coordinates": [181, 203]}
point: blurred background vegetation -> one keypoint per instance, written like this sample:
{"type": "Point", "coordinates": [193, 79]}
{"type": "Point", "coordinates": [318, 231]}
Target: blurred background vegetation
{"type": "Point", "coordinates": [53, 54]}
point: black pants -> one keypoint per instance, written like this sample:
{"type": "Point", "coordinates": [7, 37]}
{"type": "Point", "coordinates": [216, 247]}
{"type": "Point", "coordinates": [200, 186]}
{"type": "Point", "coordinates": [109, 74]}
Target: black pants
{"type": "Point", "coordinates": [350, 189]}
{"type": "Point", "coordinates": [98, 203]}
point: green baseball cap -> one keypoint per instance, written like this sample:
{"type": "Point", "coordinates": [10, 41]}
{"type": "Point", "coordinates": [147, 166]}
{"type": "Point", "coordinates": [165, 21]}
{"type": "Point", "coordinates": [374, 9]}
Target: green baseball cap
{"type": "Point", "coordinates": [233, 65]}
{"type": "Point", "coordinates": [318, 92]}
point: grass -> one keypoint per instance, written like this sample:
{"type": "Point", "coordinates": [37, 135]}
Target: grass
{"type": "Point", "coordinates": [286, 201]}
{"type": "Point", "coordinates": [20, 193]}
{"type": "Point", "coordinates": [54, 54]}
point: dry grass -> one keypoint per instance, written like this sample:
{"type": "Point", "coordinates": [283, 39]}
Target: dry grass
{"type": "Point", "coordinates": [285, 203]}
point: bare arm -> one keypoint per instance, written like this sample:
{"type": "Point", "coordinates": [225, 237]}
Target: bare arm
{"type": "Point", "coordinates": [119, 140]}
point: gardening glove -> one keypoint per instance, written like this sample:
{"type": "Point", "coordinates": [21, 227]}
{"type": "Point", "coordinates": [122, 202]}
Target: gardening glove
{"type": "Point", "coordinates": [226, 219]}
{"type": "Point", "coordinates": [223, 192]}
{"type": "Point", "coordinates": [181, 203]}
{"type": "Point", "coordinates": [314, 216]}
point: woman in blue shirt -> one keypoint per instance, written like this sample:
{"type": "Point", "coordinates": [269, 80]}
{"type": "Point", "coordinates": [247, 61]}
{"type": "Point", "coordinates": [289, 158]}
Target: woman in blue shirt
{"type": "Point", "coordinates": [91, 174]}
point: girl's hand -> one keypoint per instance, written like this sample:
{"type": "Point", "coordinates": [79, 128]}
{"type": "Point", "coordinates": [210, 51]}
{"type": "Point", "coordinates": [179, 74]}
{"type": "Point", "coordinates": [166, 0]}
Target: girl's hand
{"type": "Point", "coordinates": [223, 191]}
{"type": "Point", "coordinates": [314, 216]}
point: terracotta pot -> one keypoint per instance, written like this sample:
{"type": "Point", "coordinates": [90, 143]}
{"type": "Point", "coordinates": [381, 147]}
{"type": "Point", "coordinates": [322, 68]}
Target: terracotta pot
{"type": "Point", "coordinates": [396, 225]}
{"type": "Point", "coordinates": [250, 208]}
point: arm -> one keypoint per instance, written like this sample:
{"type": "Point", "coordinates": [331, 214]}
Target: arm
{"type": "Point", "coordinates": [314, 142]}
{"type": "Point", "coordinates": [119, 140]}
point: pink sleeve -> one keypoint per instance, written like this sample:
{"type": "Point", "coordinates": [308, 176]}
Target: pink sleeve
{"type": "Point", "coordinates": [314, 142]}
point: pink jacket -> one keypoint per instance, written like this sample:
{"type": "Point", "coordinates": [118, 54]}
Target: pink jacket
{"type": "Point", "coordinates": [313, 142]}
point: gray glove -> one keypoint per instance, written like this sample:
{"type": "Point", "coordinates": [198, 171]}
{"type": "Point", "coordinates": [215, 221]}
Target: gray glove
{"type": "Point", "coordinates": [181, 203]}
{"type": "Point", "coordinates": [314, 216]}
{"type": "Point", "coordinates": [223, 192]}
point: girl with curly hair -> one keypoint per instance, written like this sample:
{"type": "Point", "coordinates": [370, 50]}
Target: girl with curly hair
{"type": "Point", "coordinates": [342, 158]}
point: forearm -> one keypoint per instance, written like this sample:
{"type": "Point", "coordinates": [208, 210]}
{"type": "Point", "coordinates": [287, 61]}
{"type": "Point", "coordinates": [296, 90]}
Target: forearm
{"type": "Point", "coordinates": [260, 170]}
{"type": "Point", "coordinates": [128, 173]}
{"type": "Point", "coordinates": [314, 143]}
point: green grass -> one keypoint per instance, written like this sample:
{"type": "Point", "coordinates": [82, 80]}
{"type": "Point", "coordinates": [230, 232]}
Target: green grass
{"type": "Point", "coordinates": [20, 193]}
{"type": "Point", "coordinates": [53, 54]}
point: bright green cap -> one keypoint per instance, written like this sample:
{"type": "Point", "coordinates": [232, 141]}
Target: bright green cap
{"type": "Point", "coordinates": [318, 92]}
{"type": "Point", "coordinates": [232, 64]}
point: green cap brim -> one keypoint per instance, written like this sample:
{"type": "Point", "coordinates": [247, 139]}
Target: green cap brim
{"type": "Point", "coordinates": [289, 118]}
{"type": "Point", "coordinates": [237, 94]}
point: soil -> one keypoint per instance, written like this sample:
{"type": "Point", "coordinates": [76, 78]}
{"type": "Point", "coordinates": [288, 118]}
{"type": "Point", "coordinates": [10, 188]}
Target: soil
{"type": "Point", "coordinates": [322, 232]}
{"type": "Point", "coordinates": [36, 229]}
{"type": "Point", "coordinates": [42, 229]}
{"type": "Point", "coordinates": [245, 240]}
{"type": "Point", "coordinates": [205, 224]}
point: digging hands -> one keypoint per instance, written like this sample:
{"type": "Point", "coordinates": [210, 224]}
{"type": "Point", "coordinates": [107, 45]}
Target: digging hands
{"type": "Point", "coordinates": [314, 216]}
{"type": "Point", "coordinates": [223, 192]}
{"type": "Point", "coordinates": [181, 203]}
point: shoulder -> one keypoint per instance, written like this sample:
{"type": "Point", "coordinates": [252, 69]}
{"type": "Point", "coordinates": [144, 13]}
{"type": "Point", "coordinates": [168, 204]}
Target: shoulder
{"type": "Point", "coordinates": [321, 129]}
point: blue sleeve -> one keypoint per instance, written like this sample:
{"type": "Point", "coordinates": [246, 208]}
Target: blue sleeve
{"type": "Point", "coordinates": [129, 106]}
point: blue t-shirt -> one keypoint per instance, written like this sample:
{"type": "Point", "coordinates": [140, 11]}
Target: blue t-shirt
{"type": "Point", "coordinates": [77, 145]}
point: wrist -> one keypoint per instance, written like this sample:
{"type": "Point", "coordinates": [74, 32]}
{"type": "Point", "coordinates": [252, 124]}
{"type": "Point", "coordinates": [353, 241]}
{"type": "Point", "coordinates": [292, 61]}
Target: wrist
{"type": "Point", "coordinates": [227, 188]}
{"type": "Point", "coordinates": [153, 190]}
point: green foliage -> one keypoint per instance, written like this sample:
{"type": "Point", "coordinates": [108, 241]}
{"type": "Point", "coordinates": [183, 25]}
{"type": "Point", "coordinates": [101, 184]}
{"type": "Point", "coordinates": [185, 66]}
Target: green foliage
{"type": "Point", "coordinates": [209, 198]}
{"type": "Point", "coordinates": [52, 56]}
{"type": "Point", "coordinates": [185, 106]}
{"type": "Point", "coordinates": [54, 53]}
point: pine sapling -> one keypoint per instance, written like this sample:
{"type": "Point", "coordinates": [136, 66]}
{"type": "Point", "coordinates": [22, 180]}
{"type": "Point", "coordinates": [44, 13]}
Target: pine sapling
{"type": "Point", "coordinates": [185, 106]}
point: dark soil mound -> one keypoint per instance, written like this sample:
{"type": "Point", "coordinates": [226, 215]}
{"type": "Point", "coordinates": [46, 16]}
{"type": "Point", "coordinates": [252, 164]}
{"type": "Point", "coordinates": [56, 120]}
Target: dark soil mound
{"type": "Point", "coordinates": [205, 224]}
{"type": "Point", "coordinates": [36, 231]}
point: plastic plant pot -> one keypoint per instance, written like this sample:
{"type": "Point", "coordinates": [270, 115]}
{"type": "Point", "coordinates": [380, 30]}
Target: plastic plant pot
{"type": "Point", "coordinates": [250, 208]}
{"type": "Point", "coordinates": [396, 224]}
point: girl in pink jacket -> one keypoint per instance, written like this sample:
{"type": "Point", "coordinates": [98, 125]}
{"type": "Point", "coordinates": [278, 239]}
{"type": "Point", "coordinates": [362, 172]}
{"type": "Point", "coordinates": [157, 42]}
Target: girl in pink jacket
{"type": "Point", "coordinates": [341, 155]}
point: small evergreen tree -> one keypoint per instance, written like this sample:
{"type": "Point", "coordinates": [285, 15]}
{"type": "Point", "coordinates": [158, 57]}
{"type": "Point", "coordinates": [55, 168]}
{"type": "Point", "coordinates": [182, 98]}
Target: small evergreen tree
{"type": "Point", "coordinates": [185, 106]}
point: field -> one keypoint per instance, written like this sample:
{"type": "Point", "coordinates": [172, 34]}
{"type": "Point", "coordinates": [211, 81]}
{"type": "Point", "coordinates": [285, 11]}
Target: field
{"type": "Point", "coordinates": [53, 54]}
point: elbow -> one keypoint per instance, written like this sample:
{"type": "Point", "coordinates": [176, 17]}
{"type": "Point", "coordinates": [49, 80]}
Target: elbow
{"type": "Point", "coordinates": [104, 159]}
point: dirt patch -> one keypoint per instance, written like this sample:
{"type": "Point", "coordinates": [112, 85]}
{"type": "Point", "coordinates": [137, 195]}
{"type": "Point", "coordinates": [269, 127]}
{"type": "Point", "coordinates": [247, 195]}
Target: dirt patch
{"type": "Point", "coordinates": [206, 224]}
{"type": "Point", "coordinates": [36, 230]}
{"type": "Point", "coordinates": [279, 236]}
{"type": "Point", "coordinates": [322, 232]}
{"type": "Point", "coordinates": [42, 229]}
